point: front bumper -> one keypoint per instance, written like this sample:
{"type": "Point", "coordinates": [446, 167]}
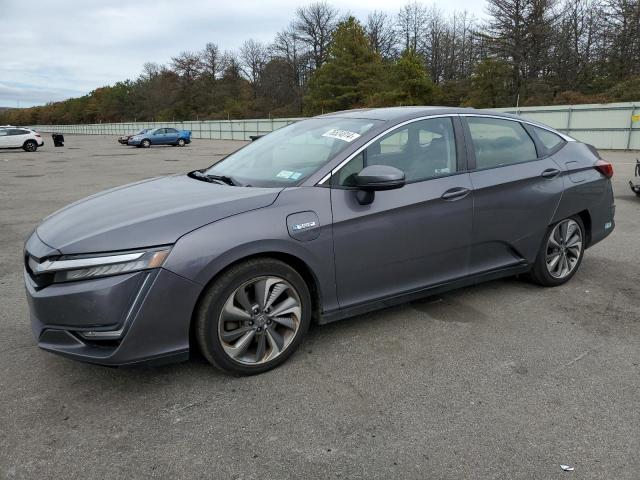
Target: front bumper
{"type": "Point", "coordinates": [151, 310]}
{"type": "Point", "coordinates": [135, 142]}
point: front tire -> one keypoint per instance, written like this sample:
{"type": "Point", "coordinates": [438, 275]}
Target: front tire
{"type": "Point", "coordinates": [561, 253]}
{"type": "Point", "coordinates": [253, 317]}
{"type": "Point", "coordinates": [145, 143]}
{"type": "Point", "coordinates": [30, 146]}
{"type": "Point", "coordinates": [181, 142]}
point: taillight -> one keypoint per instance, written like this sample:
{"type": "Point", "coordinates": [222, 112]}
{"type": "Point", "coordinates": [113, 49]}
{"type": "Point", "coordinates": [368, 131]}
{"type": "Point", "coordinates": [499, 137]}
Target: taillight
{"type": "Point", "coordinates": [37, 134]}
{"type": "Point", "coordinates": [604, 167]}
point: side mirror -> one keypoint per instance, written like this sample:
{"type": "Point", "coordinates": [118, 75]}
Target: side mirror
{"type": "Point", "coordinates": [377, 178]}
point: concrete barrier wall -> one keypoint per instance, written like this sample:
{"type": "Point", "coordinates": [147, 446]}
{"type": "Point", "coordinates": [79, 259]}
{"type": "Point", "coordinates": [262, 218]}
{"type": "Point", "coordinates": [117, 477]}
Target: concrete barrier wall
{"type": "Point", "coordinates": [607, 126]}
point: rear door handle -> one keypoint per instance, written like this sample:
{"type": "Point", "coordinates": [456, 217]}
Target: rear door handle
{"type": "Point", "coordinates": [455, 193]}
{"type": "Point", "coordinates": [551, 173]}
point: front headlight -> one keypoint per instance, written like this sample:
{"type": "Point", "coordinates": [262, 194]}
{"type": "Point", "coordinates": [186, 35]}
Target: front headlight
{"type": "Point", "coordinates": [80, 267]}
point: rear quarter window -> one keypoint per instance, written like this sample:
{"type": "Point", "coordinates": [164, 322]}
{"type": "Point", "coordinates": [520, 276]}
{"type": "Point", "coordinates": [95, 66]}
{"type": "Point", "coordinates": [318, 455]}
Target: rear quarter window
{"type": "Point", "coordinates": [550, 140]}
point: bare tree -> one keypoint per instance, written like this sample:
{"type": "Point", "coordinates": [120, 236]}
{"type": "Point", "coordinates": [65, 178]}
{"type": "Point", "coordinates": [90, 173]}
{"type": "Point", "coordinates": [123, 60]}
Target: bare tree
{"type": "Point", "coordinates": [212, 60]}
{"type": "Point", "coordinates": [623, 45]}
{"type": "Point", "coordinates": [435, 42]}
{"type": "Point", "coordinates": [381, 34]}
{"type": "Point", "coordinates": [188, 65]}
{"type": "Point", "coordinates": [314, 25]}
{"type": "Point", "coordinates": [288, 47]}
{"type": "Point", "coordinates": [412, 21]}
{"type": "Point", "coordinates": [151, 70]}
{"type": "Point", "coordinates": [253, 57]}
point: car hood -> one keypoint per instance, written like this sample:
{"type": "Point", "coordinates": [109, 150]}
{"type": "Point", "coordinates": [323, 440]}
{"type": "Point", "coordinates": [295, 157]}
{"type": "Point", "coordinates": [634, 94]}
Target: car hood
{"type": "Point", "coordinates": [148, 213]}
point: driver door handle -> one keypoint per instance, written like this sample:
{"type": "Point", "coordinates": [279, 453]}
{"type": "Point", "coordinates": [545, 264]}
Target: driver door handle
{"type": "Point", "coordinates": [551, 173]}
{"type": "Point", "coordinates": [455, 193]}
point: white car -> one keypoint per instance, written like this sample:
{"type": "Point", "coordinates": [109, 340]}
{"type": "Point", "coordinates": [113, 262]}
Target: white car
{"type": "Point", "coordinates": [19, 137]}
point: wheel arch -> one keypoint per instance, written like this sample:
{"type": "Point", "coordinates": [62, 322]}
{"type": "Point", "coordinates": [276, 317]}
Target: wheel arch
{"type": "Point", "coordinates": [295, 262]}
{"type": "Point", "coordinates": [585, 216]}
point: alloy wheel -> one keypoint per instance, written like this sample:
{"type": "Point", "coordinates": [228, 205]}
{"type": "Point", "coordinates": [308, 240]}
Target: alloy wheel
{"type": "Point", "coordinates": [259, 320]}
{"type": "Point", "coordinates": [564, 249]}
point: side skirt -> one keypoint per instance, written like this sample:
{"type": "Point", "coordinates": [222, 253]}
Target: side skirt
{"type": "Point", "coordinates": [340, 314]}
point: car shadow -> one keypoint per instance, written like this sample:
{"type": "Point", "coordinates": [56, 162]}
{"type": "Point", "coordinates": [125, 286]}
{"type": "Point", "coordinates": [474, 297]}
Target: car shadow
{"type": "Point", "coordinates": [449, 307]}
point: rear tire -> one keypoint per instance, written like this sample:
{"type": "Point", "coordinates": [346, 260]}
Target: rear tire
{"type": "Point", "coordinates": [243, 331]}
{"type": "Point", "coordinates": [560, 254]}
{"type": "Point", "coordinates": [30, 146]}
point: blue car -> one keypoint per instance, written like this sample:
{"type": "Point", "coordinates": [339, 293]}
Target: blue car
{"type": "Point", "coordinates": [161, 136]}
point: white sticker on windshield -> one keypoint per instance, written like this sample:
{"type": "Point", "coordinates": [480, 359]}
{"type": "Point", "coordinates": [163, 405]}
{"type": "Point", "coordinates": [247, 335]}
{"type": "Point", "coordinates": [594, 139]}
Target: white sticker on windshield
{"type": "Point", "coordinates": [284, 174]}
{"type": "Point", "coordinates": [344, 135]}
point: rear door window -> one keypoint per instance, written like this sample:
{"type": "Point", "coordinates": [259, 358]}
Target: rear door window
{"type": "Point", "coordinates": [498, 142]}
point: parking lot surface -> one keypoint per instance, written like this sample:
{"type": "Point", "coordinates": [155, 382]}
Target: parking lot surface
{"type": "Point", "coordinates": [500, 380]}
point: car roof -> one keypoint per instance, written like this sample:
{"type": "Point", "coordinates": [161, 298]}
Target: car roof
{"type": "Point", "coordinates": [396, 114]}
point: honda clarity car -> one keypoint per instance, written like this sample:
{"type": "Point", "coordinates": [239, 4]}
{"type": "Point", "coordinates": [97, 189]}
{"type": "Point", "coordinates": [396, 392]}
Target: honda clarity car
{"type": "Point", "coordinates": [318, 221]}
{"type": "Point", "coordinates": [20, 137]}
{"type": "Point", "coordinates": [160, 136]}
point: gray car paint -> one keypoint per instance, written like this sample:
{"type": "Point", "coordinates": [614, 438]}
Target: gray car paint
{"type": "Point", "coordinates": [156, 212]}
{"type": "Point", "coordinates": [408, 241]}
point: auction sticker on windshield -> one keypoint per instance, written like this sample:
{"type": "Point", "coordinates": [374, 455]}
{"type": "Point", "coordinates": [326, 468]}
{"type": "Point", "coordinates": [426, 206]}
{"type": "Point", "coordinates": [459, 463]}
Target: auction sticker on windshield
{"type": "Point", "coordinates": [344, 135]}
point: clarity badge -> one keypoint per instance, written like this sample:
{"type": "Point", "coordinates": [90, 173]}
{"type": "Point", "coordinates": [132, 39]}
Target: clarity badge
{"type": "Point", "coordinates": [303, 226]}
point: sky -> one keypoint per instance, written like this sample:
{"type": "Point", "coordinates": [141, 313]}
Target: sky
{"type": "Point", "coordinates": [70, 47]}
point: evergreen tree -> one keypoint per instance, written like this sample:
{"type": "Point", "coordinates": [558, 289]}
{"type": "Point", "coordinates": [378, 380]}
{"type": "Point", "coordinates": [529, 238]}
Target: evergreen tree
{"type": "Point", "coordinates": [406, 82]}
{"type": "Point", "coordinates": [491, 84]}
{"type": "Point", "coordinates": [351, 74]}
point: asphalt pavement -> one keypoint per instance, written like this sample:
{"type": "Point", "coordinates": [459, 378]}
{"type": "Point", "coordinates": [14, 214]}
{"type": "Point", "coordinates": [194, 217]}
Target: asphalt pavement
{"type": "Point", "coordinates": [503, 380]}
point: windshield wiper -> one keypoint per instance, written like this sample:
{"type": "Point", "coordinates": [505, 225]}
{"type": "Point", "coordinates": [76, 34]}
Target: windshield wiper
{"type": "Point", "coordinates": [207, 177]}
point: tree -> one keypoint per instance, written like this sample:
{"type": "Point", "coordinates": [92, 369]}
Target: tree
{"type": "Point", "coordinates": [381, 34]}
{"type": "Point", "coordinates": [519, 32]}
{"type": "Point", "coordinates": [491, 84]}
{"type": "Point", "coordinates": [212, 61]}
{"type": "Point", "coordinates": [407, 82]}
{"type": "Point", "coordinates": [314, 25]}
{"type": "Point", "coordinates": [253, 57]}
{"type": "Point", "coordinates": [350, 75]}
{"type": "Point", "coordinates": [288, 47]}
{"type": "Point", "coordinates": [412, 21]}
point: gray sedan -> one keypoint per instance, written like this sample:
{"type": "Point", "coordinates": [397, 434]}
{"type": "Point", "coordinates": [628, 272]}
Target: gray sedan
{"type": "Point", "coordinates": [329, 217]}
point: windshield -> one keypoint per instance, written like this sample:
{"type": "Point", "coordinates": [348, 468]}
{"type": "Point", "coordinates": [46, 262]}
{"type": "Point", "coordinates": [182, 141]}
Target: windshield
{"type": "Point", "coordinates": [290, 154]}
{"type": "Point", "coordinates": [143, 131]}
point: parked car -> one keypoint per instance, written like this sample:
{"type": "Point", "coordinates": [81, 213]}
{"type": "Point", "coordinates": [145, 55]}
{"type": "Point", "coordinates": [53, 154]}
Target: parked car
{"type": "Point", "coordinates": [323, 219]}
{"type": "Point", "coordinates": [635, 186]}
{"type": "Point", "coordinates": [161, 136]}
{"type": "Point", "coordinates": [20, 137]}
{"type": "Point", "coordinates": [124, 139]}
